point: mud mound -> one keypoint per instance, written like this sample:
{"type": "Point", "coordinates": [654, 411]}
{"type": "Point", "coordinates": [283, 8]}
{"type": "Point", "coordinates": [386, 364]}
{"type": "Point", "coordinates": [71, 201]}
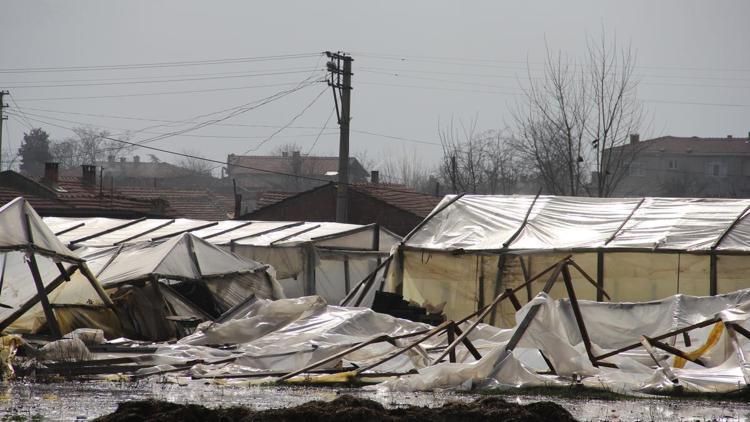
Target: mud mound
{"type": "Point", "coordinates": [343, 409]}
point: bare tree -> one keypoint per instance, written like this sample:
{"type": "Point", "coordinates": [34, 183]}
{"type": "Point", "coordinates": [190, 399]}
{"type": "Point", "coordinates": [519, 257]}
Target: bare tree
{"type": "Point", "coordinates": [478, 162]}
{"type": "Point", "coordinates": [193, 161]}
{"type": "Point", "coordinates": [574, 125]}
{"type": "Point", "coordinates": [408, 169]}
{"type": "Point", "coordinates": [89, 145]}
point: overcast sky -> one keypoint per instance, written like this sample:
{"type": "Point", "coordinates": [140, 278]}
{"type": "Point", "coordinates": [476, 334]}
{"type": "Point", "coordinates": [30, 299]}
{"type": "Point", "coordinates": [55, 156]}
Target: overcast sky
{"type": "Point", "coordinates": [417, 63]}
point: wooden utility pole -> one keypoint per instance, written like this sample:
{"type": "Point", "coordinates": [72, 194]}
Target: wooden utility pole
{"type": "Point", "coordinates": [340, 67]}
{"type": "Point", "coordinates": [2, 117]}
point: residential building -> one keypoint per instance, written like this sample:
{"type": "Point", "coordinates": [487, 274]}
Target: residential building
{"type": "Point", "coordinates": [688, 167]}
{"type": "Point", "coordinates": [263, 172]}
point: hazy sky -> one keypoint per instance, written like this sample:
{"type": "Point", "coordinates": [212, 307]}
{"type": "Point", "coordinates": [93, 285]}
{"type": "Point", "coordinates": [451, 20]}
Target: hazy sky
{"type": "Point", "coordinates": [457, 60]}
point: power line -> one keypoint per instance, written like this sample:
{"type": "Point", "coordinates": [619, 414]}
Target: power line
{"type": "Point", "coordinates": [325, 125]}
{"type": "Point", "coordinates": [233, 112]}
{"type": "Point", "coordinates": [145, 119]}
{"type": "Point", "coordinates": [156, 77]}
{"type": "Point", "coordinates": [236, 111]}
{"type": "Point", "coordinates": [194, 91]}
{"type": "Point", "coordinates": [140, 82]}
{"type": "Point", "coordinates": [438, 88]}
{"type": "Point", "coordinates": [387, 71]}
{"type": "Point", "coordinates": [279, 130]}
{"type": "Point", "coordinates": [159, 64]}
{"type": "Point", "coordinates": [125, 131]}
{"type": "Point", "coordinates": [398, 138]}
{"type": "Point", "coordinates": [471, 62]}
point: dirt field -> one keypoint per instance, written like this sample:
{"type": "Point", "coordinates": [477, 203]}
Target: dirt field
{"type": "Point", "coordinates": [76, 401]}
{"type": "Point", "coordinates": [344, 409]}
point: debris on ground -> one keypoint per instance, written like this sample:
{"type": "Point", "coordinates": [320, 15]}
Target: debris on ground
{"type": "Point", "coordinates": [344, 408]}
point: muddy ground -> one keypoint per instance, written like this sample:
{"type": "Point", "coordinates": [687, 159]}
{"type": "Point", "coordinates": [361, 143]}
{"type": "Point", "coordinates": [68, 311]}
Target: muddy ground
{"type": "Point", "coordinates": [70, 401]}
{"type": "Point", "coordinates": [345, 408]}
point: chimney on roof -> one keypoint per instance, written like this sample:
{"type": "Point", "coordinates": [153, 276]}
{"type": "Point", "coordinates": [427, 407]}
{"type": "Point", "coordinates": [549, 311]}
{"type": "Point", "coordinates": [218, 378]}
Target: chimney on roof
{"type": "Point", "coordinates": [374, 177]}
{"type": "Point", "coordinates": [729, 136]}
{"type": "Point", "coordinates": [111, 158]}
{"type": "Point", "coordinates": [296, 163]}
{"type": "Point", "coordinates": [284, 154]}
{"type": "Point", "coordinates": [634, 138]}
{"type": "Point", "coordinates": [51, 173]}
{"type": "Point", "coordinates": [122, 160]}
{"type": "Point", "coordinates": [88, 176]}
{"type": "Point", "coordinates": [136, 159]}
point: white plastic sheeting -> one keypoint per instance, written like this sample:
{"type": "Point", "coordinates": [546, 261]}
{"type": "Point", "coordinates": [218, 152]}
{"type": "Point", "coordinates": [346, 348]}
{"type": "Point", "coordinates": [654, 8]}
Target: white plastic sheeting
{"type": "Point", "coordinates": [308, 257]}
{"type": "Point", "coordinates": [289, 334]}
{"type": "Point", "coordinates": [610, 326]}
{"type": "Point", "coordinates": [555, 223]}
{"type": "Point", "coordinates": [638, 249]}
{"type": "Point", "coordinates": [15, 217]}
{"type": "Point", "coordinates": [23, 233]}
{"type": "Point", "coordinates": [184, 257]}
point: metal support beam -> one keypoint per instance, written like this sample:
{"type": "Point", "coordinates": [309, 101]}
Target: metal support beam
{"type": "Point", "coordinates": [577, 313]}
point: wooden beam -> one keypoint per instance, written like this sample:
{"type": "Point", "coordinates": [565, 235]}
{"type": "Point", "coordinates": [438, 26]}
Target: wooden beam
{"type": "Point", "coordinates": [673, 350]}
{"type": "Point", "coordinates": [444, 326]}
{"type": "Point", "coordinates": [376, 339]}
{"type": "Point", "coordinates": [600, 276]}
{"type": "Point", "coordinates": [701, 324]}
{"type": "Point", "coordinates": [524, 325]}
{"type": "Point", "coordinates": [34, 300]}
{"type": "Point", "coordinates": [599, 290]}
{"type": "Point", "coordinates": [577, 313]}
{"type": "Point", "coordinates": [473, 325]}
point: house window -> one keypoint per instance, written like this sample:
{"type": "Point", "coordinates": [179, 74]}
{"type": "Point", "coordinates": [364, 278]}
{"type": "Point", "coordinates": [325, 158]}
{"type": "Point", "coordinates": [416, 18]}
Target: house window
{"type": "Point", "coordinates": [672, 164]}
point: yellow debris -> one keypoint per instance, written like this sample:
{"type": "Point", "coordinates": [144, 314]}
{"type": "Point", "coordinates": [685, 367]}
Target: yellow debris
{"type": "Point", "coordinates": [713, 338]}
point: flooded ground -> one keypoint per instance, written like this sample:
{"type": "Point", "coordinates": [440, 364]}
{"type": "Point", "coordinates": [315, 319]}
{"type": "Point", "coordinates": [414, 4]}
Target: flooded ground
{"type": "Point", "coordinates": [87, 400]}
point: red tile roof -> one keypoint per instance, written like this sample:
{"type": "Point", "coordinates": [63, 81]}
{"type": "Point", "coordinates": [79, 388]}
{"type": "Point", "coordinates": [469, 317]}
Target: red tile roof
{"type": "Point", "coordinates": [79, 195]}
{"type": "Point", "coordinates": [71, 197]}
{"type": "Point", "coordinates": [271, 197]}
{"type": "Point", "coordinates": [185, 203]}
{"type": "Point", "coordinates": [400, 196]}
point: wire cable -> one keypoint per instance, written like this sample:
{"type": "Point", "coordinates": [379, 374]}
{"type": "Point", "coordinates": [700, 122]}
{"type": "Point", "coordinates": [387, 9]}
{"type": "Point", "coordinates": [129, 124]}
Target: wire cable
{"type": "Point", "coordinates": [159, 64]}
{"type": "Point", "coordinates": [149, 94]}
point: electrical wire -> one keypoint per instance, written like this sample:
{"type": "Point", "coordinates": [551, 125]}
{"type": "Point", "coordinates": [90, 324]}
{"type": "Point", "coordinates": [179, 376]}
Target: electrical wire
{"type": "Point", "coordinates": [112, 116]}
{"type": "Point", "coordinates": [159, 64]}
{"type": "Point", "coordinates": [156, 77]}
{"type": "Point", "coordinates": [398, 138]}
{"type": "Point", "coordinates": [325, 125]}
{"type": "Point", "coordinates": [279, 130]}
{"type": "Point", "coordinates": [126, 131]}
{"type": "Point", "coordinates": [141, 82]}
{"type": "Point", "coordinates": [149, 94]}
{"type": "Point", "coordinates": [472, 62]}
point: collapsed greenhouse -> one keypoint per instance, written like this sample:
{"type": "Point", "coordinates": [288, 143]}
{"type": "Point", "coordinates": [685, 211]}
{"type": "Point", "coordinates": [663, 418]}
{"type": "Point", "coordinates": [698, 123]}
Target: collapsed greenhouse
{"type": "Point", "coordinates": [672, 270]}
{"type": "Point", "coordinates": [634, 249]}
{"type": "Point", "coordinates": [326, 259]}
